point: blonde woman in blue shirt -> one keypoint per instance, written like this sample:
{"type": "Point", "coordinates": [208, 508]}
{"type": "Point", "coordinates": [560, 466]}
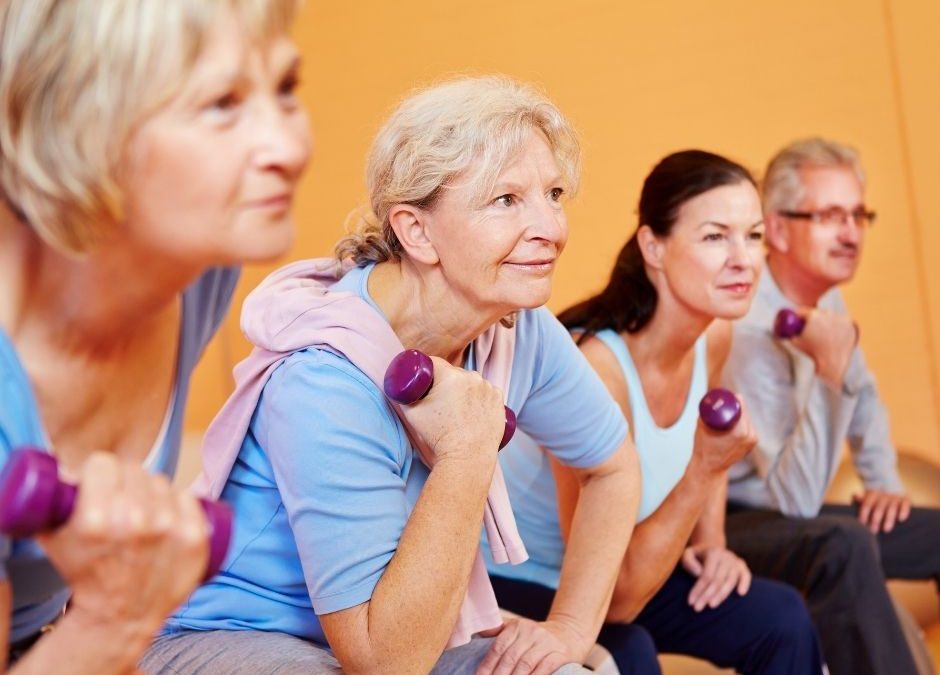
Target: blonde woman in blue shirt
{"type": "Point", "coordinates": [147, 149]}
{"type": "Point", "coordinates": [653, 337]}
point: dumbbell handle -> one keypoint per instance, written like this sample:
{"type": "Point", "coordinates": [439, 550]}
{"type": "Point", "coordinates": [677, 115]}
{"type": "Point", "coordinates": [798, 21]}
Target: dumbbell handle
{"type": "Point", "coordinates": [788, 324]}
{"type": "Point", "coordinates": [33, 499]}
{"type": "Point", "coordinates": [720, 409]}
{"type": "Point", "coordinates": [409, 378]}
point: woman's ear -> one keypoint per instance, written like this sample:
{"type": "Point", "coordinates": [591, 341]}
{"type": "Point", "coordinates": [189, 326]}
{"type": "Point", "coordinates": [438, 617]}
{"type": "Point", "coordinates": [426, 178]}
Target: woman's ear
{"type": "Point", "coordinates": [410, 225]}
{"type": "Point", "coordinates": [651, 248]}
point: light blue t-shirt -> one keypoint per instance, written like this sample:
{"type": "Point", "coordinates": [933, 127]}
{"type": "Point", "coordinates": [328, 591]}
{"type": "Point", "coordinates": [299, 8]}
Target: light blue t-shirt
{"type": "Point", "coordinates": [664, 455]}
{"type": "Point", "coordinates": [326, 478]}
{"type": "Point", "coordinates": [39, 593]}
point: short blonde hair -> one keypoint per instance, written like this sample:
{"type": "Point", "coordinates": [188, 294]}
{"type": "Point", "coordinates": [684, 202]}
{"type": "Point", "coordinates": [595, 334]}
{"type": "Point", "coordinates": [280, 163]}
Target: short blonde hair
{"type": "Point", "coordinates": [438, 134]}
{"type": "Point", "coordinates": [76, 76]}
{"type": "Point", "coordinates": [783, 185]}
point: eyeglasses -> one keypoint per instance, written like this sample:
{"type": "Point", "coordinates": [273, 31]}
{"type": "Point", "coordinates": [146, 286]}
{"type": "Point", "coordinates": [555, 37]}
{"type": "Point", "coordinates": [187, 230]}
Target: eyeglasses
{"type": "Point", "coordinates": [834, 215]}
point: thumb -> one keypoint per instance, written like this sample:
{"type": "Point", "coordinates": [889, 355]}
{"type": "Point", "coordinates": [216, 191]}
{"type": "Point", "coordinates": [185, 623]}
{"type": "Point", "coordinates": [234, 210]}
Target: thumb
{"type": "Point", "coordinates": [691, 562]}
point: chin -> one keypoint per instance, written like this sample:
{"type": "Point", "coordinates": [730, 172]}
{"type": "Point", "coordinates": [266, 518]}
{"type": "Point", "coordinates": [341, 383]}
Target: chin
{"type": "Point", "coordinates": [266, 246]}
{"type": "Point", "coordinates": [731, 311]}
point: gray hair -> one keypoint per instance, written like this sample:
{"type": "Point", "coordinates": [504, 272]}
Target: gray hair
{"type": "Point", "coordinates": [782, 184]}
{"type": "Point", "coordinates": [442, 132]}
{"type": "Point", "coordinates": [76, 76]}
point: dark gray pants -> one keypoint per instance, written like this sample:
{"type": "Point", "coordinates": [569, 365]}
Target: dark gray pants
{"type": "Point", "coordinates": [841, 567]}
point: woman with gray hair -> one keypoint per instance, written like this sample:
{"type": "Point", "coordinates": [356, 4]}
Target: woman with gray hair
{"type": "Point", "coordinates": [358, 521]}
{"type": "Point", "coordinates": [147, 148]}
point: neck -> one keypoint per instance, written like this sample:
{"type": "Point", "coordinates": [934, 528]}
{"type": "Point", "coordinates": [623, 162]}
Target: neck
{"type": "Point", "coordinates": [668, 340]}
{"type": "Point", "coordinates": [94, 304]}
{"type": "Point", "coordinates": [426, 313]}
{"type": "Point", "coordinates": [800, 288]}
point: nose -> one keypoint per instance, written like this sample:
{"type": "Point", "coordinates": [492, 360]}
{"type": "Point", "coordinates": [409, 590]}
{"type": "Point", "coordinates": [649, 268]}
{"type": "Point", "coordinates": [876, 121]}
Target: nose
{"type": "Point", "coordinates": [850, 232]}
{"type": "Point", "coordinates": [738, 254]}
{"type": "Point", "coordinates": [283, 139]}
{"type": "Point", "coordinates": [547, 222]}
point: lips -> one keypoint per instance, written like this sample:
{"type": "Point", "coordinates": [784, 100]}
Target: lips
{"type": "Point", "coordinates": [738, 288]}
{"type": "Point", "coordinates": [532, 263]}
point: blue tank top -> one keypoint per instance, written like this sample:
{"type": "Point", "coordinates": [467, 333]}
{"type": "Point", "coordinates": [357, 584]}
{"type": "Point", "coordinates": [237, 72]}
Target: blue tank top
{"type": "Point", "coordinates": [664, 453]}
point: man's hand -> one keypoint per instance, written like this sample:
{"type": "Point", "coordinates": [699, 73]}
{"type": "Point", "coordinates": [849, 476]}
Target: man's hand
{"type": "Point", "coordinates": [525, 647]}
{"type": "Point", "coordinates": [880, 511]}
{"type": "Point", "coordinates": [829, 339]}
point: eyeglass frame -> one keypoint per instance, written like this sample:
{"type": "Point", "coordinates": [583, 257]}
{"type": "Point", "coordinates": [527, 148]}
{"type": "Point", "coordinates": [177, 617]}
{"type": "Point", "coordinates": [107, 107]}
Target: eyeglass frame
{"type": "Point", "coordinates": [861, 217]}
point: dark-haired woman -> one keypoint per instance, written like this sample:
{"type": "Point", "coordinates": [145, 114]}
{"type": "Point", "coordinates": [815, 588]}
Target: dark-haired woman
{"type": "Point", "coordinates": [657, 336]}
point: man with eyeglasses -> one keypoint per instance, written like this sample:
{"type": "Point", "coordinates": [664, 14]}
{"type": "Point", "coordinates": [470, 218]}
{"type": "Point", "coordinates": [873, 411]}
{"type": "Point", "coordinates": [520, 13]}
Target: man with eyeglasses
{"type": "Point", "coordinates": [807, 396]}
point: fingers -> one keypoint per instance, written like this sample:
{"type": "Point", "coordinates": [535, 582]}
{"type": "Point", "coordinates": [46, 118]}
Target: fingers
{"type": "Point", "coordinates": [905, 510]}
{"type": "Point", "coordinates": [866, 504]}
{"type": "Point", "coordinates": [723, 573]}
{"type": "Point", "coordinates": [502, 642]}
{"type": "Point", "coordinates": [879, 507]}
{"type": "Point", "coordinates": [744, 581]}
{"type": "Point", "coordinates": [891, 514]}
{"type": "Point", "coordinates": [99, 482]}
{"type": "Point", "coordinates": [882, 511]}
{"type": "Point", "coordinates": [709, 582]}
{"type": "Point", "coordinates": [524, 648]}
{"type": "Point", "coordinates": [691, 563]}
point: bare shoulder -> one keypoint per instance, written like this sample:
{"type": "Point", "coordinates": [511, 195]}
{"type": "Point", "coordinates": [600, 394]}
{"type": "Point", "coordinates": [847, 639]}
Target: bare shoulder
{"type": "Point", "coordinates": [718, 339]}
{"type": "Point", "coordinates": [607, 366]}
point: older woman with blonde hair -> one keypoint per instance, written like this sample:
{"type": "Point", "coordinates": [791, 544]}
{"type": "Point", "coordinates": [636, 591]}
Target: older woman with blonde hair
{"type": "Point", "coordinates": [358, 520]}
{"type": "Point", "coordinates": [147, 148]}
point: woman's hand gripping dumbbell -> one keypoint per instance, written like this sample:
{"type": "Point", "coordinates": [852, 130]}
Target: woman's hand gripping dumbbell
{"type": "Point", "coordinates": [409, 378]}
{"type": "Point", "coordinates": [725, 435]}
{"type": "Point", "coordinates": [33, 499]}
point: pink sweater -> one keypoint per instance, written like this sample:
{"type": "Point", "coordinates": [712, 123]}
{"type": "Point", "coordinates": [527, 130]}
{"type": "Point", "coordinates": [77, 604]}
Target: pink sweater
{"type": "Point", "coordinates": [295, 308]}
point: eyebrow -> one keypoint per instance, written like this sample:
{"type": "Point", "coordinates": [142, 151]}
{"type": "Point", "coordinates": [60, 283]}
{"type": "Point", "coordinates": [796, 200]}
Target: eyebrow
{"type": "Point", "coordinates": [294, 63]}
{"type": "Point", "coordinates": [512, 186]}
{"type": "Point", "coordinates": [723, 226]}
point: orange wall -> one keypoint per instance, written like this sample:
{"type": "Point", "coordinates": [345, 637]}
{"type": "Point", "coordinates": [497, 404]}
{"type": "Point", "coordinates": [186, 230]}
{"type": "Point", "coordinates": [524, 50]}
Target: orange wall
{"type": "Point", "coordinates": [640, 80]}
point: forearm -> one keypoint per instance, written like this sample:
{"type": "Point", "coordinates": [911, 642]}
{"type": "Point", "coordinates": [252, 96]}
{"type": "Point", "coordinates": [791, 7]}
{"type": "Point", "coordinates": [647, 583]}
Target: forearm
{"type": "Point", "coordinates": [600, 530]}
{"type": "Point", "coordinates": [658, 543]}
{"type": "Point", "coordinates": [710, 528]}
{"type": "Point", "coordinates": [6, 606]}
{"type": "Point", "coordinates": [81, 646]}
{"type": "Point", "coordinates": [798, 471]}
{"type": "Point", "coordinates": [415, 605]}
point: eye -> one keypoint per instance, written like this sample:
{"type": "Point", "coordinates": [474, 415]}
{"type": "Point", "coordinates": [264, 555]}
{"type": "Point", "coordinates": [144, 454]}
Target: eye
{"type": "Point", "coordinates": [288, 86]}
{"type": "Point", "coordinates": [756, 235]}
{"type": "Point", "coordinates": [505, 200]}
{"type": "Point", "coordinates": [556, 194]}
{"type": "Point", "coordinates": [714, 236]}
{"type": "Point", "coordinates": [224, 108]}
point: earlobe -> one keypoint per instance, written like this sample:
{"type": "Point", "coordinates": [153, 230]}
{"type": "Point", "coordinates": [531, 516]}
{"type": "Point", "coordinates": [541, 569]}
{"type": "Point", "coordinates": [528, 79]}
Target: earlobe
{"type": "Point", "coordinates": [776, 234]}
{"type": "Point", "coordinates": [651, 247]}
{"type": "Point", "coordinates": [410, 225]}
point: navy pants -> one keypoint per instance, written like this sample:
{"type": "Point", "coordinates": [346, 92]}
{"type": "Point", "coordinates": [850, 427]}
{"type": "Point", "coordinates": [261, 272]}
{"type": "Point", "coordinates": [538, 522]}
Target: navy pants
{"type": "Point", "coordinates": [767, 631]}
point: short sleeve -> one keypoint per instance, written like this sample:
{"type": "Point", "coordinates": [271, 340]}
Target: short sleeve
{"type": "Point", "coordinates": [340, 461]}
{"type": "Point", "coordinates": [568, 410]}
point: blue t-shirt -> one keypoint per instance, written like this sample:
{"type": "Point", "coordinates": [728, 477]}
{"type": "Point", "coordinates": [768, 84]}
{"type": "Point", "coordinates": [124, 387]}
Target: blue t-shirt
{"type": "Point", "coordinates": [326, 477]}
{"type": "Point", "coordinates": [664, 455]}
{"type": "Point", "coordinates": [39, 593]}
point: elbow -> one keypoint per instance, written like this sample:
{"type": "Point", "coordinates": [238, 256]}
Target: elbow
{"type": "Point", "coordinates": [625, 607]}
{"type": "Point", "coordinates": [375, 666]}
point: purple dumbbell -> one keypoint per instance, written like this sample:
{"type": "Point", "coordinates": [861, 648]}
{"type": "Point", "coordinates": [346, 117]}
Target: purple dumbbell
{"type": "Point", "coordinates": [33, 500]}
{"type": "Point", "coordinates": [788, 324]}
{"type": "Point", "coordinates": [720, 409]}
{"type": "Point", "coordinates": [409, 378]}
